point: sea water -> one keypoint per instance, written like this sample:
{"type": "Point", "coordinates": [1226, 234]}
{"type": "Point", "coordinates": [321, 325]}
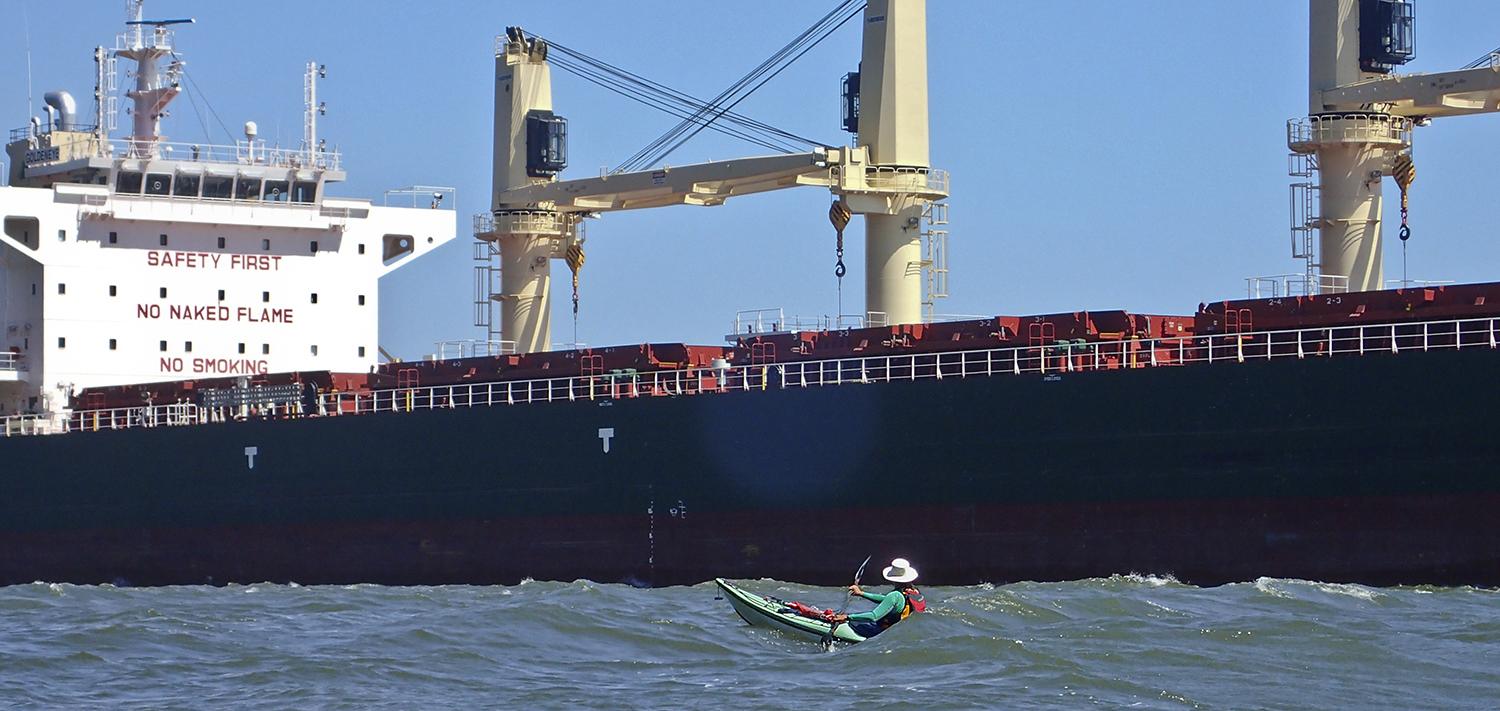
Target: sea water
{"type": "Point", "coordinates": [1125, 641]}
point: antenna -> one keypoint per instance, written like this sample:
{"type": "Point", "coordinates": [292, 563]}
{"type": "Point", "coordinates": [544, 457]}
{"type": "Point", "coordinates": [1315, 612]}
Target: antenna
{"type": "Point", "coordinates": [155, 87]}
{"type": "Point", "coordinates": [311, 110]}
{"type": "Point", "coordinates": [26, 25]}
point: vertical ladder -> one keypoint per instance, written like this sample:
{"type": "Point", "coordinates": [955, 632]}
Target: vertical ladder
{"type": "Point", "coordinates": [111, 99]}
{"type": "Point", "coordinates": [934, 258]}
{"type": "Point", "coordinates": [1305, 217]}
{"type": "Point", "coordinates": [485, 276]}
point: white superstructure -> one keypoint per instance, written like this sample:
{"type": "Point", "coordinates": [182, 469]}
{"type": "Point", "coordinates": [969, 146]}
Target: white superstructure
{"type": "Point", "coordinates": [141, 260]}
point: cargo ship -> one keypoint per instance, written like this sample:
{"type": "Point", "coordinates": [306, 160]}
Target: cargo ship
{"type": "Point", "coordinates": [193, 394]}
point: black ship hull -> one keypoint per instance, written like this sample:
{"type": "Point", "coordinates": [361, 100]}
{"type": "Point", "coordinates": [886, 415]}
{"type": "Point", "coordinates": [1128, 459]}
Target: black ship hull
{"type": "Point", "coordinates": [1378, 469]}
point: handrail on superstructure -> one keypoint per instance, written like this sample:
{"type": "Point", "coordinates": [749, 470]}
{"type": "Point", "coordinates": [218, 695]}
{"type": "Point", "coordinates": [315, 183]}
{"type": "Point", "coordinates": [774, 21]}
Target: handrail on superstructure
{"type": "Point", "coordinates": [244, 153]}
{"type": "Point", "coordinates": [1050, 359]}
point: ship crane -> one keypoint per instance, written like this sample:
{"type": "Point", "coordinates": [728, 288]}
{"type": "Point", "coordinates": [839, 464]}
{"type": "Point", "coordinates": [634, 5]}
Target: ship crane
{"type": "Point", "coordinates": [886, 176]}
{"type": "Point", "coordinates": [1359, 129]}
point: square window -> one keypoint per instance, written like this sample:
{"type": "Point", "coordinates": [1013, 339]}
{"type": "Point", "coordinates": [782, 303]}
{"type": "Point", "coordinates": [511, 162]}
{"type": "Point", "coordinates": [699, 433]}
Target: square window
{"type": "Point", "coordinates": [361, 249]}
{"type": "Point", "coordinates": [242, 348]}
{"type": "Point", "coordinates": [62, 343]}
{"type": "Point", "coordinates": [221, 295]}
{"type": "Point", "coordinates": [265, 349]}
{"type": "Point", "coordinates": [163, 292]}
{"type": "Point", "coordinates": [112, 344]}
{"type": "Point", "coordinates": [221, 243]}
{"type": "Point", "coordinates": [113, 290]}
{"type": "Point", "coordinates": [187, 347]}
{"type": "Point", "coordinates": [314, 350]}
{"type": "Point", "coordinates": [114, 237]}
{"type": "Point", "coordinates": [361, 351]}
{"type": "Point", "coordinates": [33, 289]}
{"type": "Point", "coordinates": [314, 246]}
{"type": "Point", "coordinates": [265, 296]}
{"type": "Point", "coordinates": [361, 299]}
{"type": "Point", "coordinates": [315, 298]}
{"type": "Point", "coordinates": [62, 235]}
{"type": "Point", "coordinates": [163, 240]}
{"type": "Point", "coordinates": [265, 244]}
{"type": "Point", "coordinates": [163, 346]}
{"type": "Point", "coordinates": [62, 288]}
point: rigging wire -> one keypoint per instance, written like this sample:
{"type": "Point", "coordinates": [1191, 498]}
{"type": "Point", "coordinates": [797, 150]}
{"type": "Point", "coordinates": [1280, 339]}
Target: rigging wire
{"type": "Point", "coordinates": [662, 89]}
{"type": "Point", "coordinates": [198, 114]}
{"type": "Point", "coordinates": [721, 104]}
{"type": "Point", "coordinates": [210, 105]}
{"type": "Point", "coordinates": [662, 154]}
{"type": "Point", "coordinates": [677, 106]}
{"type": "Point", "coordinates": [668, 99]}
{"type": "Point", "coordinates": [659, 104]}
{"type": "Point", "coordinates": [1486, 59]}
{"type": "Point", "coordinates": [638, 159]}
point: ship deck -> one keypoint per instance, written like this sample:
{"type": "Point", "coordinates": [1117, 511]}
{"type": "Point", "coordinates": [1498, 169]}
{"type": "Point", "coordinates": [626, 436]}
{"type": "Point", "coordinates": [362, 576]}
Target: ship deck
{"type": "Point", "coordinates": [1051, 360]}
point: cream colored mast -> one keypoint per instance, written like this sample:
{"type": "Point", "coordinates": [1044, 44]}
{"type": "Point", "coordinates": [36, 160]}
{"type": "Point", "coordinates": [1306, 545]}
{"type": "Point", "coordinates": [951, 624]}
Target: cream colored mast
{"type": "Point", "coordinates": [1360, 119]}
{"type": "Point", "coordinates": [526, 236]}
{"type": "Point", "coordinates": [893, 131]}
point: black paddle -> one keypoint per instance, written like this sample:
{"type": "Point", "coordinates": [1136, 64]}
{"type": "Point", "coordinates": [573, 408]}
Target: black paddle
{"type": "Point", "coordinates": [832, 624]}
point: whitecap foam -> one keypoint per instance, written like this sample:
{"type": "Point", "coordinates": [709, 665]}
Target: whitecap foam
{"type": "Point", "coordinates": [1268, 586]}
{"type": "Point", "coordinates": [1350, 589]}
{"type": "Point", "coordinates": [1147, 579]}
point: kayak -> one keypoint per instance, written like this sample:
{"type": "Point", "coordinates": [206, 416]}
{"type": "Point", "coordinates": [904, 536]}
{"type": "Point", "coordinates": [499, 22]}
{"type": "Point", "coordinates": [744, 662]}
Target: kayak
{"type": "Point", "coordinates": [770, 612]}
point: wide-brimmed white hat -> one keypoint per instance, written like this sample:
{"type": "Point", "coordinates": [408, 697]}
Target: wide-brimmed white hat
{"type": "Point", "coordinates": [900, 571]}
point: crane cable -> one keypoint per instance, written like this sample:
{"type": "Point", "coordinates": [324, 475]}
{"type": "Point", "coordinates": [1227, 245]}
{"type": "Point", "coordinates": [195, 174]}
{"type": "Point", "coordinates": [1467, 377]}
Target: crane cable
{"type": "Point", "coordinates": [669, 100]}
{"type": "Point", "coordinates": [674, 138]}
{"type": "Point", "coordinates": [839, 214]}
{"type": "Point", "coordinates": [675, 106]}
{"type": "Point", "coordinates": [1404, 171]}
{"type": "Point", "coordinates": [573, 255]}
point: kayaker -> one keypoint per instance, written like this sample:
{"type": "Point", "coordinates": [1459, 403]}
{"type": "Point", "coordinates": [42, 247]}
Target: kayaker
{"type": "Point", "coordinates": [901, 602]}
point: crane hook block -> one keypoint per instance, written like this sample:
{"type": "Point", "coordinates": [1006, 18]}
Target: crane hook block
{"type": "Point", "coordinates": [574, 257]}
{"type": "Point", "coordinates": [1404, 171]}
{"type": "Point", "coordinates": [839, 214]}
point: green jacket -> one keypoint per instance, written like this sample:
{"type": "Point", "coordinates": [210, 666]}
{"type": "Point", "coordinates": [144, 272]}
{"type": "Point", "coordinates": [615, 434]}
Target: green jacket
{"type": "Point", "coordinates": [892, 600]}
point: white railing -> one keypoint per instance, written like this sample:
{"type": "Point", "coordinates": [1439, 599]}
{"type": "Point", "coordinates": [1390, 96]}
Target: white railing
{"type": "Point", "coordinates": [171, 415]}
{"type": "Point", "coordinates": [1051, 359]}
{"type": "Point", "coordinates": [472, 348]}
{"type": "Point", "coordinates": [889, 177]}
{"type": "Point", "coordinates": [1057, 358]}
{"type": "Point", "coordinates": [542, 222]}
{"type": "Point", "coordinates": [1304, 133]}
{"type": "Point", "coordinates": [247, 152]}
{"type": "Point", "coordinates": [1285, 285]}
{"type": "Point", "coordinates": [23, 425]}
{"type": "Point", "coordinates": [1419, 283]}
{"type": "Point", "coordinates": [760, 322]}
{"type": "Point", "coordinates": [12, 361]}
{"type": "Point", "coordinates": [750, 322]}
{"type": "Point", "coordinates": [430, 196]}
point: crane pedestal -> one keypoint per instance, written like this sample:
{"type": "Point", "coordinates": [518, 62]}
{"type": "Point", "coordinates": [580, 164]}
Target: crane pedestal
{"type": "Point", "coordinates": [1354, 152]}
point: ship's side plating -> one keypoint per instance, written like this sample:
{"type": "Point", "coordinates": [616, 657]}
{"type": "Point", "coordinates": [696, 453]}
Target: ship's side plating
{"type": "Point", "coordinates": [1210, 473]}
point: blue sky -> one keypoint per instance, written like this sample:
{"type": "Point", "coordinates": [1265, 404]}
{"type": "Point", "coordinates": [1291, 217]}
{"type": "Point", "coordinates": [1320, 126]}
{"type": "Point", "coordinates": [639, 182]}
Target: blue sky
{"type": "Point", "coordinates": [1103, 154]}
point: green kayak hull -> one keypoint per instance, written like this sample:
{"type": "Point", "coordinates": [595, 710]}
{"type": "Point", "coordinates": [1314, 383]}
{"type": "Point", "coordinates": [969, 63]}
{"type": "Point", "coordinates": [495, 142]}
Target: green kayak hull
{"type": "Point", "coordinates": [771, 613]}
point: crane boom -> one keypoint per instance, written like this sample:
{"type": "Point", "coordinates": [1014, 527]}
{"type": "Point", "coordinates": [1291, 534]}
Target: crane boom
{"type": "Point", "coordinates": [1455, 93]}
{"type": "Point", "coordinates": [697, 184]}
